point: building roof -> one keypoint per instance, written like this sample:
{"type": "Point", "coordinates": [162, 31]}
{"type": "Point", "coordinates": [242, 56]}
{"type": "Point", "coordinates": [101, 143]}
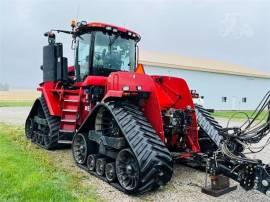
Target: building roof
{"type": "Point", "coordinates": [204, 65]}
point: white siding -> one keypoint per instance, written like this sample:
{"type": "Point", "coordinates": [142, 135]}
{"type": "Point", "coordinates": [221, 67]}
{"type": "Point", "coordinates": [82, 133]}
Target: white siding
{"type": "Point", "coordinates": [214, 86]}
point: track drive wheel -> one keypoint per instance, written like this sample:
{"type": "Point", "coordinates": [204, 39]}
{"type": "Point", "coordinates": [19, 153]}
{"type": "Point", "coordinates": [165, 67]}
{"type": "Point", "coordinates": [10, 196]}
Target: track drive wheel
{"type": "Point", "coordinates": [80, 148]}
{"type": "Point", "coordinates": [127, 170]}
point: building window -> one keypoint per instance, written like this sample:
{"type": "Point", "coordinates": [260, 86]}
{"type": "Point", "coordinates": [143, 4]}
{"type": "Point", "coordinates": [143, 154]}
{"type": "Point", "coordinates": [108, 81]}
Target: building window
{"type": "Point", "coordinates": [224, 99]}
{"type": "Point", "coordinates": [244, 100]}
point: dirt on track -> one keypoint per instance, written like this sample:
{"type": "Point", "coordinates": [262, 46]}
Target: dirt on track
{"type": "Point", "coordinates": [185, 184]}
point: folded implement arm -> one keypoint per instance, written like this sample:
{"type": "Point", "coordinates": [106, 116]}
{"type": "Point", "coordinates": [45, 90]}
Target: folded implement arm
{"type": "Point", "coordinates": [229, 158]}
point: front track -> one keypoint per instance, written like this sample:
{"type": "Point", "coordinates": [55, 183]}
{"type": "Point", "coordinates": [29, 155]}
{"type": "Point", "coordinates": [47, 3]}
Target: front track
{"type": "Point", "coordinates": [152, 157]}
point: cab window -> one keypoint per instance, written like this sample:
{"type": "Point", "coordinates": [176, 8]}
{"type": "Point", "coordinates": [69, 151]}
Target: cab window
{"type": "Point", "coordinates": [83, 50]}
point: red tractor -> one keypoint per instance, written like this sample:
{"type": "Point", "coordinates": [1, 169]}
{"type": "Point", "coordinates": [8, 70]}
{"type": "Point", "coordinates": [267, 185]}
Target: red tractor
{"type": "Point", "coordinates": [127, 127]}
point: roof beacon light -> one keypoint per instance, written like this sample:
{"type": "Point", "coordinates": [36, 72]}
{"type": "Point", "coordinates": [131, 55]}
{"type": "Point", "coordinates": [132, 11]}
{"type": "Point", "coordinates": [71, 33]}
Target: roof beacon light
{"type": "Point", "coordinates": [73, 23]}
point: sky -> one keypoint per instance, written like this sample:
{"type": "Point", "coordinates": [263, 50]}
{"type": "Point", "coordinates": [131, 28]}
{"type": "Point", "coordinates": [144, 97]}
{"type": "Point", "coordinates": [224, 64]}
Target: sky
{"type": "Point", "coordinates": [232, 31]}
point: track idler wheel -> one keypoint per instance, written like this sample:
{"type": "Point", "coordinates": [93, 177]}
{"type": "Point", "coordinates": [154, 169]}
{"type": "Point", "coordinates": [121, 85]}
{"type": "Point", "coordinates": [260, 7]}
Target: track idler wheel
{"type": "Point", "coordinates": [79, 148]}
{"type": "Point", "coordinates": [110, 172]}
{"type": "Point", "coordinates": [127, 170]}
{"type": "Point", "coordinates": [91, 162]}
{"type": "Point", "coordinates": [100, 166]}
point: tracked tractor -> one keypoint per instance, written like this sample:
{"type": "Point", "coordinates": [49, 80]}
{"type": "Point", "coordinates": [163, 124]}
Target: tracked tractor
{"type": "Point", "coordinates": [129, 128]}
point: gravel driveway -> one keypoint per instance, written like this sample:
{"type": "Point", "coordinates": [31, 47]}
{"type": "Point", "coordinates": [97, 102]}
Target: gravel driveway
{"type": "Point", "coordinates": [184, 186]}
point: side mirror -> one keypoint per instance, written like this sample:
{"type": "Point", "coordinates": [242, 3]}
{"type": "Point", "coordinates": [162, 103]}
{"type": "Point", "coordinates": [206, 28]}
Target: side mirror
{"type": "Point", "coordinates": [51, 37]}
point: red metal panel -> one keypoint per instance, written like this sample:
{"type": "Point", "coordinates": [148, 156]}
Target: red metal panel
{"type": "Point", "coordinates": [95, 81]}
{"type": "Point", "coordinates": [165, 93]}
{"type": "Point", "coordinates": [104, 25]}
{"type": "Point", "coordinates": [52, 98]}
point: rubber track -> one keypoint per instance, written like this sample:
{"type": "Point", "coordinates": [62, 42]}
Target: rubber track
{"type": "Point", "coordinates": [53, 122]}
{"type": "Point", "coordinates": [208, 124]}
{"type": "Point", "coordinates": [154, 159]}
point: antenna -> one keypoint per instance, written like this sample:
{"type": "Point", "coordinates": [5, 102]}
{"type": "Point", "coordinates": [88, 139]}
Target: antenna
{"type": "Point", "coordinates": [78, 11]}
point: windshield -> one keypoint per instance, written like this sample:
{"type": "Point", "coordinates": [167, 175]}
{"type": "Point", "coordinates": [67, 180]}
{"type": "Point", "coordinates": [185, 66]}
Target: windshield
{"type": "Point", "coordinates": [113, 52]}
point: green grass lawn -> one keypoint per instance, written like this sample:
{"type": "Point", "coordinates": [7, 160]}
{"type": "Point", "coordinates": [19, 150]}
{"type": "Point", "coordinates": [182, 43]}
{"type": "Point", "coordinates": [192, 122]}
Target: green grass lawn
{"type": "Point", "coordinates": [228, 114]}
{"type": "Point", "coordinates": [27, 174]}
{"type": "Point", "coordinates": [15, 103]}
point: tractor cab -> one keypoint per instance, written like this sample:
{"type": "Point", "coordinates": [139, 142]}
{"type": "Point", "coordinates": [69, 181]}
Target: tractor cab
{"type": "Point", "coordinates": [102, 49]}
{"type": "Point", "coordinates": [99, 50]}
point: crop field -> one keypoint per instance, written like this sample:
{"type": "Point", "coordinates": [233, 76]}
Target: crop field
{"type": "Point", "coordinates": [18, 98]}
{"type": "Point", "coordinates": [29, 174]}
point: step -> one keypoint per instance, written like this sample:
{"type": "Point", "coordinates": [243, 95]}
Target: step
{"type": "Point", "coordinates": [71, 97]}
{"type": "Point", "coordinates": [69, 116]}
{"type": "Point", "coordinates": [71, 100]}
{"type": "Point", "coordinates": [71, 92]}
{"type": "Point", "coordinates": [70, 110]}
{"type": "Point", "coordinates": [69, 120]}
{"type": "Point", "coordinates": [66, 128]}
{"type": "Point", "coordinates": [64, 142]}
{"type": "Point", "coordinates": [66, 131]}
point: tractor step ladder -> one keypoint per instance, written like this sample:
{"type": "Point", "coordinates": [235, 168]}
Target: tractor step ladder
{"type": "Point", "coordinates": [70, 108]}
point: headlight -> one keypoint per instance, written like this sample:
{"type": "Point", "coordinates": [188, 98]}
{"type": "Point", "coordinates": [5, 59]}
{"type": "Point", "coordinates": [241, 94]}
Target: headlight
{"type": "Point", "coordinates": [125, 88]}
{"type": "Point", "coordinates": [139, 88]}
